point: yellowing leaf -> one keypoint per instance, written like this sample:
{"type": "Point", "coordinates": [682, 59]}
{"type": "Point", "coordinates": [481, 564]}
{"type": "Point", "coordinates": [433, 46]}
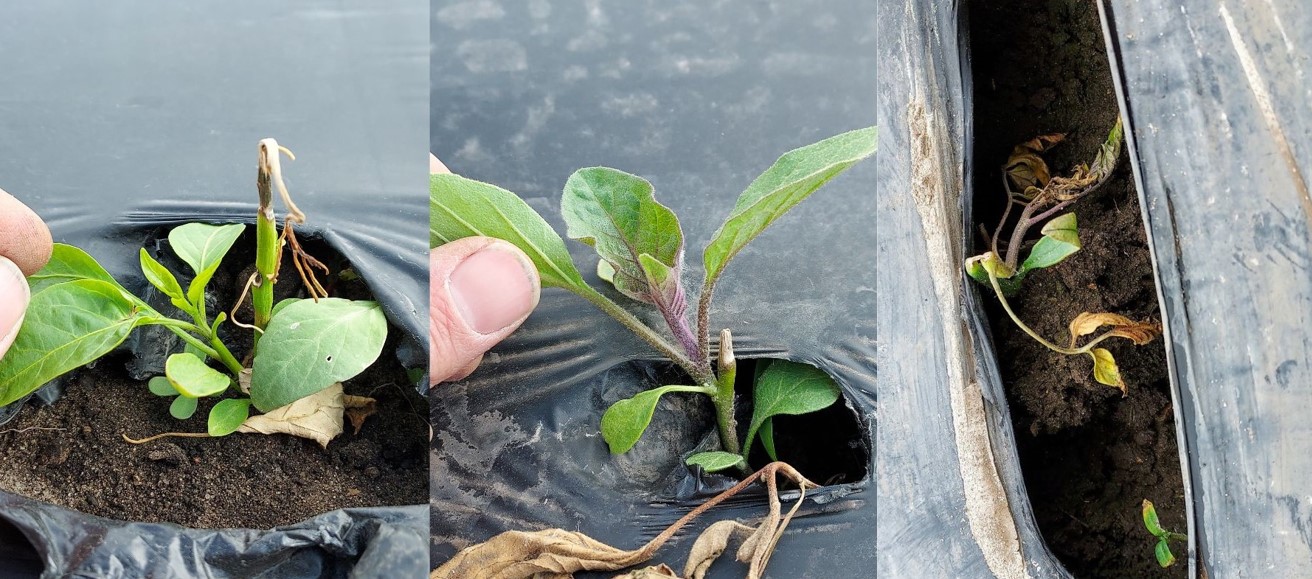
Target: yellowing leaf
{"type": "Point", "coordinates": [1105, 370]}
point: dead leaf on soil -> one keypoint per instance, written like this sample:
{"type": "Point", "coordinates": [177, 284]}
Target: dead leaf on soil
{"type": "Point", "coordinates": [359, 408]}
{"type": "Point", "coordinates": [1026, 168]}
{"type": "Point", "coordinates": [317, 417]}
{"type": "Point", "coordinates": [1122, 327]}
{"type": "Point", "coordinates": [558, 554]}
{"type": "Point", "coordinates": [654, 572]}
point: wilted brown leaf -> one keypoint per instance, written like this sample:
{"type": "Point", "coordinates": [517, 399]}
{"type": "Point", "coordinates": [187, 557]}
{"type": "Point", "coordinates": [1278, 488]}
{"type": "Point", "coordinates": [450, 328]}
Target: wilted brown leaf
{"type": "Point", "coordinates": [1105, 370]}
{"type": "Point", "coordinates": [558, 554]}
{"type": "Point", "coordinates": [1122, 327]}
{"type": "Point", "coordinates": [710, 545]}
{"type": "Point", "coordinates": [654, 572]}
{"type": "Point", "coordinates": [1026, 168]}
{"type": "Point", "coordinates": [317, 417]}
{"type": "Point", "coordinates": [359, 408]}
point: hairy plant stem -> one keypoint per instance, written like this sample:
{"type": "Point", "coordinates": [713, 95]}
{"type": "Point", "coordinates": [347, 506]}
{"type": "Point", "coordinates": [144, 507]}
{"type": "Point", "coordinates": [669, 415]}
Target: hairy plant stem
{"type": "Point", "coordinates": [724, 403]}
{"type": "Point", "coordinates": [704, 319]}
{"type": "Point", "coordinates": [703, 375]}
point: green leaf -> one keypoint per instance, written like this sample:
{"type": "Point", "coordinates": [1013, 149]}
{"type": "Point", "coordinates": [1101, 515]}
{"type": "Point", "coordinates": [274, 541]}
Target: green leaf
{"type": "Point", "coordinates": [461, 207]}
{"type": "Point", "coordinates": [182, 407]}
{"type": "Point", "coordinates": [1150, 519]}
{"type": "Point", "coordinates": [160, 386]}
{"type": "Point", "coordinates": [1061, 239]}
{"type": "Point", "coordinates": [789, 388]}
{"type": "Point", "coordinates": [715, 461]}
{"type": "Point", "coordinates": [606, 271]}
{"type": "Point", "coordinates": [1163, 552]}
{"type": "Point", "coordinates": [163, 280]}
{"type": "Point", "coordinates": [310, 346]}
{"type": "Point", "coordinates": [68, 263]}
{"type": "Point", "coordinates": [192, 378]}
{"type": "Point", "coordinates": [617, 214]}
{"type": "Point", "coordinates": [1105, 370]}
{"type": "Point", "coordinates": [791, 179]}
{"type": "Point", "coordinates": [278, 307]}
{"type": "Point", "coordinates": [68, 325]}
{"type": "Point", "coordinates": [228, 415]}
{"type": "Point", "coordinates": [203, 246]}
{"type": "Point", "coordinates": [625, 421]}
{"type": "Point", "coordinates": [767, 438]}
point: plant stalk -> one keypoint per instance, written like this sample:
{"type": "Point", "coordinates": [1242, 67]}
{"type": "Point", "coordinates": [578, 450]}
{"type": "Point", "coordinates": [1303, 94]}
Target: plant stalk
{"type": "Point", "coordinates": [630, 321]}
{"type": "Point", "coordinates": [724, 396]}
{"type": "Point", "coordinates": [704, 319]}
{"type": "Point", "coordinates": [219, 351]}
{"type": "Point", "coordinates": [267, 246]}
{"type": "Point", "coordinates": [997, 289]}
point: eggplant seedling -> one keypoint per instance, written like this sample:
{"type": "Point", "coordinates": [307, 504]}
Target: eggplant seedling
{"type": "Point", "coordinates": [1164, 537]}
{"type": "Point", "coordinates": [641, 249]}
{"type": "Point", "coordinates": [1041, 196]}
{"type": "Point", "coordinates": [303, 347]}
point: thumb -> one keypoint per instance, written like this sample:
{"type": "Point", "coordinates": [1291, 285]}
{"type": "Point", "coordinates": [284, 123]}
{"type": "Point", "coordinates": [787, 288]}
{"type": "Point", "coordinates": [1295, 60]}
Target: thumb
{"type": "Point", "coordinates": [480, 290]}
{"type": "Point", "coordinates": [14, 295]}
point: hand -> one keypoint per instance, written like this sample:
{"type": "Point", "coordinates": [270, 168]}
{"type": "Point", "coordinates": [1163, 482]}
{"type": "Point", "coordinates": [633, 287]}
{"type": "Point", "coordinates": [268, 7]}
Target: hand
{"type": "Point", "coordinates": [480, 290]}
{"type": "Point", "coordinates": [25, 247]}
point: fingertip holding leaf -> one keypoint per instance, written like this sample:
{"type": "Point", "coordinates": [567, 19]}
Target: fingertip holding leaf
{"type": "Point", "coordinates": [1105, 370]}
{"type": "Point", "coordinates": [461, 207]}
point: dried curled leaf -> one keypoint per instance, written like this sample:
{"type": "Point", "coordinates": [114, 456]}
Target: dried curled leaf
{"type": "Point", "coordinates": [558, 554]}
{"type": "Point", "coordinates": [317, 417]}
{"type": "Point", "coordinates": [359, 408]}
{"type": "Point", "coordinates": [1025, 168]}
{"type": "Point", "coordinates": [653, 572]}
{"type": "Point", "coordinates": [546, 553]}
{"type": "Point", "coordinates": [1122, 327]}
{"type": "Point", "coordinates": [710, 545]}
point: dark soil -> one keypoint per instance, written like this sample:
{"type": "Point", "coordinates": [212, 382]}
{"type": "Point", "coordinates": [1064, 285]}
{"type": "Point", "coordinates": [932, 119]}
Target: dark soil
{"type": "Point", "coordinates": [1089, 456]}
{"type": "Point", "coordinates": [72, 453]}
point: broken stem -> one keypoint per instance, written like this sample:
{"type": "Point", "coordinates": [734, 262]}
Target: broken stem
{"type": "Point", "coordinates": [267, 244]}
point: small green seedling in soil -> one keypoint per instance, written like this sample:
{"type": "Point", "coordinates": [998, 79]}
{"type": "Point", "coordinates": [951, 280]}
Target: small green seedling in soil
{"type": "Point", "coordinates": [1164, 537]}
{"type": "Point", "coordinates": [79, 313]}
{"type": "Point", "coordinates": [641, 249]}
{"type": "Point", "coordinates": [1041, 197]}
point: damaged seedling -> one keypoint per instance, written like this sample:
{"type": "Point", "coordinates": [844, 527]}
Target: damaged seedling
{"type": "Point", "coordinates": [1164, 537]}
{"type": "Point", "coordinates": [304, 348]}
{"type": "Point", "coordinates": [641, 249]}
{"type": "Point", "coordinates": [561, 553]}
{"type": "Point", "coordinates": [1041, 196]}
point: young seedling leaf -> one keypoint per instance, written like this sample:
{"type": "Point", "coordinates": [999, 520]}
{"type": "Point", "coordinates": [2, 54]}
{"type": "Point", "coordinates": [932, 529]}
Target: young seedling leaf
{"type": "Point", "coordinates": [716, 460]}
{"type": "Point", "coordinates": [68, 263]}
{"type": "Point", "coordinates": [1061, 239]}
{"type": "Point", "coordinates": [183, 407]}
{"type": "Point", "coordinates": [790, 180]}
{"type": "Point", "coordinates": [625, 421]}
{"type": "Point", "coordinates": [975, 269]}
{"type": "Point", "coordinates": [68, 325]}
{"type": "Point", "coordinates": [606, 271]}
{"type": "Point", "coordinates": [1122, 327]}
{"type": "Point", "coordinates": [463, 207]}
{"type": "Point", "coordinates": [789, 388]}
{"type": "Point", "coordinates": [309, 346]}
{"type": "Point", "coordinates": [1105, 370]}
{"type": "Point", "coordinates": [1164, 556]}
{"type": "Point", "coordinates": [203, 246]}
{"type": "Point", "coordinates": [767, 438]}
{"type": "Point", "coordinates": [160, 386]}
{"type": "Point", "coordinates": [163, 280]}
{"type": "Point", "coordinates": [1150, 520]}
{"type": "Point", "coordinates": [617, 213]}
{"type": "Point", "coordinates": [192, 378]}
{"type": "Point", "coordinates": [228, 415]}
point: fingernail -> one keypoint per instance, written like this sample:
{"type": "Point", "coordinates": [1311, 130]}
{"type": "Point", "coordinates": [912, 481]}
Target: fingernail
{"type": "Point", "coordinates": [493, 288]}
{"type": "Point", "coordinates": [14, 295]}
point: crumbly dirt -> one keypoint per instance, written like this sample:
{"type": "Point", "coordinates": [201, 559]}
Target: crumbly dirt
{"type": "Point", "coordinates": [72, 453]}
{"type": "Point", "coordinates": [1089, 456]}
